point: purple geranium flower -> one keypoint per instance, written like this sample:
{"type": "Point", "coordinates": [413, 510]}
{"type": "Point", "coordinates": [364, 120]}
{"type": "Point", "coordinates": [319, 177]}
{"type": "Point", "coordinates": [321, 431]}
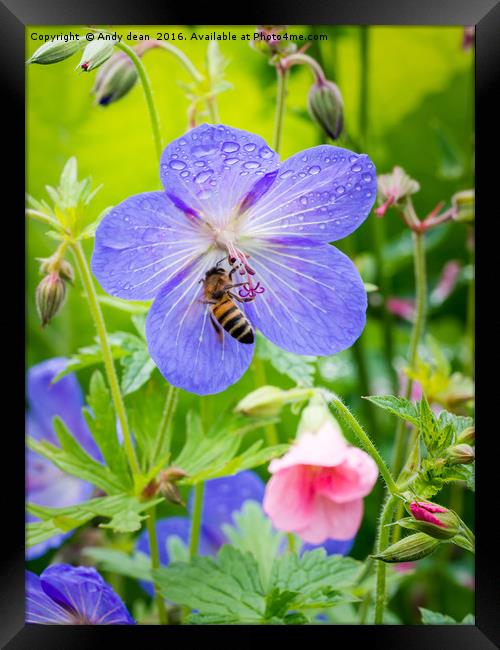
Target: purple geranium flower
{"type": "Point", "coordinates": [67, 595]}
{"type": "Point", "coordinates": [227, 196]}
{"type": "Point", "coordinates": [47, 485]}
{"type": "Point", "coordinates": [223, 497]}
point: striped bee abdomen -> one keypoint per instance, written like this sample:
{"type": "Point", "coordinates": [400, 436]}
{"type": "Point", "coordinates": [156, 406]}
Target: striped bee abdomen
{"type": "Point", "coordinates": [233, 320]}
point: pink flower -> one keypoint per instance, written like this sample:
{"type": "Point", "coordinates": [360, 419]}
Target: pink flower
{"type": "Point", "coordinates": [317, 488]}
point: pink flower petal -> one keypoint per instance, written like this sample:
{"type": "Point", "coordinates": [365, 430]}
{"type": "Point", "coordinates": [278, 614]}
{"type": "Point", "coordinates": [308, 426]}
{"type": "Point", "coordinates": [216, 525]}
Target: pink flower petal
{"type": "Point", "coordinates": [332, 520]}
{"type": "Point", "coordinates": [325, 448]}
{"type": "Point", "coordinates": [289, 498]}
{"type": "Point", "coordinates": [352, 479]}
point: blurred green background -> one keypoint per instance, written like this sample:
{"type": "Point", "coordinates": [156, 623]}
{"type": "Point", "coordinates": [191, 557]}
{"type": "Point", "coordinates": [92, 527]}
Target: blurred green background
{"type": "Point", "coordinates": [408, 95]}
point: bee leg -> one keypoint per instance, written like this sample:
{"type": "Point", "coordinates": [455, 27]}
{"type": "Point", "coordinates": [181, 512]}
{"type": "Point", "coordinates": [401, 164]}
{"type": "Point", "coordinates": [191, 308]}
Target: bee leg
{"type": "Point", "coordinates": [216, 327]}
{"type": "Point", "coordinates": [239, 299]}
{"type": "Point", "coordinates": [233, 286]}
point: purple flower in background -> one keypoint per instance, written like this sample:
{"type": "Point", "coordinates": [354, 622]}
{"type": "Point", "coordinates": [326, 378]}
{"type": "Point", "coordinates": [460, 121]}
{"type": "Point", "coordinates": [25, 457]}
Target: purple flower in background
{"type": "Point", "coordinates": [67, 595]}
{"type": "Point", "coordinates": [47, 485]}
{"type": "Point", "coordinates": [227, 196]}
{"type": "Point", "coordinates": [223, 497]}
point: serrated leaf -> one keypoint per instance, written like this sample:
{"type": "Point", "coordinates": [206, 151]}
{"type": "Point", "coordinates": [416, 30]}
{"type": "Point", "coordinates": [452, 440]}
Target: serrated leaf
{"type": "Point", "coordinates": [101, 420]}
{"type": "Point", "coordinates": [89, 355]}
{"type": "Point", "coordinates": [399, 406]}
{"type": "Point", "coordinates": [125, 521]}
{"type": "Point", "coordinates": [137, 566]}
{"type": "Point", "coordinates": [428, 426]}
{"type": "Point", "coordinates": [279, 602]}
{"type": "Point", "coordinates": [300, 368]}
{"type": "Point", "coordinates": [253, 532]}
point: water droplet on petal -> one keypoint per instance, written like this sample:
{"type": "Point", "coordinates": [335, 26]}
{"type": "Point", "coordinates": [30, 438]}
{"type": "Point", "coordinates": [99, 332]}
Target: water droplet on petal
{"type": "Point", "coordinates": [184, 174]}
{"type": "Point", "coordinates": [265, 152]}
{"type": "Point", "coordinates": [177, 164]}
{"type": "Point", "coordinates": [353, 158]}
{"type": "Point", "coordinates": [203, 176]}
{"type": "Point", "coordinates": [204, 149]}
{"type": "Point", "coordinates": [340, 189]}
{"type": "Point", "coordinates": [250, 147]}
{"type": "Point", "coordinates": [286, 174]}
{"type": "Point", "coordinates": [367, 178]}
{"type": "Point", "coordinates": [252, 164]}
{"type": "Point", "coordinates": [230, 147]}
{"type": "Point", "coordinates": [322, 226]}
{"type": "Point", "coordinates": [232, 161]}
{"type": "Point", "coordinates": [303, 200]}
{"type": "Point", "coordinates": [315, 169]}
{"type": "Point", "coordinates": [356, 168]}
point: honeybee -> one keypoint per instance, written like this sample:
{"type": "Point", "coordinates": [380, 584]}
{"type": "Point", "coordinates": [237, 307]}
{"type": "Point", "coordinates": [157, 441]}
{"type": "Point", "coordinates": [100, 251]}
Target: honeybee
{"type": "Point", "coordinates": [224, 312]}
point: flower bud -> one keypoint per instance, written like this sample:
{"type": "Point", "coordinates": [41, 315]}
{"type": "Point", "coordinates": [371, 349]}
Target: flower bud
{"type": "Point", "coordinates": [171, 493]}
{"type": "Point", "coordinates": [326, 107]}
{"type": "Point", "coordinates": [435, 520]}
{"type": "Point", "coordinates": [465, 206]}
{"type": "Point", "coordinates": [50, 295]}
{"type": "Point", "coordinates": [268, 40]}
{"type": "Point", "coordinates": [95, 54]}
{"type": "Point", "coordinates": [114, 80]}
{"type": "Point", "coordinates": [66, 271]}
{"type": "Point", "coordinates": [54, 51]}
{"type": "Point", "coordinates": [409, 549]}
{"type": "Point", "coordinates": [267, 401]}
{"type": "Point", "coordinates": [468, 436]}
{"type": "Point", "coordinates": [461, 454]}
{"type": "Point", "coordinates": [393, 188]}
{"type": "Point", "coordinates": [314, 416]}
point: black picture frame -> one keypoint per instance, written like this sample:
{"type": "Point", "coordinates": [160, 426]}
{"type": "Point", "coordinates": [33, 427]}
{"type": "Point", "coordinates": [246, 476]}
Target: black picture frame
{"type": "Point", "coordinates": [15, 15]}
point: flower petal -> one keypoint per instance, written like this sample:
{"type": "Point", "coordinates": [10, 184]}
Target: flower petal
{"type": "Point", "coordinates": [225, 496]}
{"type": "Point", "coordinates": [325, 448]}
{"type": "Point", "coordinates": [289, 499]}
{"type": "Point", "coordinates": [142, 243]}
{"type": "Point", "coordinates": [332, 520]}
{"type": "Point", "coordinates": [212, 167]}
{"type": "Point", "coordinates": [314, 300]}
{"type": "Point", "coordinates": [83, 590]}
{"type": "Point", "coordinates": [183, 342]}
{"type": "Point", "coordinates": [323, 193]}
{"type": "Point", "coordinates": [352, 479]}
{"type": "Point", "coordinates": [63, 398]}
{"type": "Point", "coordinates": [40, 608]}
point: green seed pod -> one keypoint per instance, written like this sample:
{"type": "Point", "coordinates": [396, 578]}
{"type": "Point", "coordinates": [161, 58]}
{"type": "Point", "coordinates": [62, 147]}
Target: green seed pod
{"type": "Point", "coordinates": [54, 51]}
{"type": "Point", "coordinates": [468, 436]}
{"type": "Point", "coordinates": [95, 54]}
{"type": "Point", "coordinates": [465, 206]}
{"type": "Point", "coordinates": [266, 401]}
{"type": "Point", "coordinates": [461, 454]}
{"type": "Point", "coordinates": [114, 80]}
{"type": "Point", "coordinates": [326, 107]}
{"type": "Point", "coordinates": [50, 295]}
{"type": "Point", "coordinates": [411, 548]}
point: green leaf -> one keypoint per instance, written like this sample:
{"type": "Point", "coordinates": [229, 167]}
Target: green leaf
{"type": "Point", "coordinates": [428, 427]}
{"type": "Point", "coordinates": [125, 521]}
{"type": "Point", "coordinates": [253, 532]}
{"type": "Point", "coordinates": [89, 355]}
{"type": "Point", "coordinates": [137, 566]}
{"type": "Point", "coordinates": [399, 406]}
{"type": "Point", "coordinates": [279, 602]}
{"type": "Point", "coordinates": [436, 618]}
{"type": "Point", "coordinates": [177, 550]}
{"type": "Point", "coordinates": [137, 369]}
{"type": "Point", "coordinates": [230, 587]}
{"type": "Point", "coordinates": [101, 420]}
{"type": "Point", "coordinates": [300, 368]}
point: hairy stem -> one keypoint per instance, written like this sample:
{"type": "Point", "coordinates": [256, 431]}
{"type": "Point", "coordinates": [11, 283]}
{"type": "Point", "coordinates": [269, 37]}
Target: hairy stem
{"type": "Point", "coordinates": [155, 564]}
{"type": "Point", "coordinates": [95, 310]}
{"type": "Point", "coordinates": [382, 541]}
{"type": "Point", "coordinates": [365, 441]}
{"type": "Point", "coordinates": [282, 77]}
{"type": "Point", "coordinates": [148, 94]}
{"type": "Point", "coordinates": [194, 535]}
{"type": "Point", "coordinates": [164, 431]}
{"type": "Point", "coordinates": [418, 328]}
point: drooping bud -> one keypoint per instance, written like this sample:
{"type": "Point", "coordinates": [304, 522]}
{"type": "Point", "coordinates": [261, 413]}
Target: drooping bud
{"type": "Point", "coordinates": [95, 54]}
{"type": "Point", "coordinates": [468, 436]}
{"type": "Point", "coordinates": [409, 549]}
{"type": "Point", "coordinates": [50, 295]}
{"type": "Point", "coordinates": [270, 40]}
{"type": "Point", "coordinates": [464, 204]}
{"type": "Point", "coordinates": [461, 454]}
{"type": "Point", "coordinates": [55, 51]}
{"type": "Point", "coordinates": [326, 107]}
{"type": "Point", "coordinates": [393, 188]}
{"type": "Point", "coordinates": [435, 520]}
{"type": "Point", "coordinates": [114, 80]}
{"type": "Point", "coordinates": [315, 415]}
{"type": "Point", "coordinates": [267, 401]}
{"type": "Point", "coordinates": [167, 484]}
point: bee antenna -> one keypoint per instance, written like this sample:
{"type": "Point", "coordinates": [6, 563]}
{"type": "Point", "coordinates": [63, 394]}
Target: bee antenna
{"type": "Point", "coordinates": [221, 260]}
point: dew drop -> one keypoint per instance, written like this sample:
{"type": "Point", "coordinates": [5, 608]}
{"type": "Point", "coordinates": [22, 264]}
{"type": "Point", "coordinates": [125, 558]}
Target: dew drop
{"type": "Point", "coordinates": [232, 161]}
{"type": "Point", "coordinates": [340, 189]}
{"type": "Point", "coordinates": [182, 143]}
{"type": "Point", "coordinates": [367, 178]}
{"type": "Point", "coordinates": [353, 158]}
{"type": "Point", "coordinates": [243, 173]}
{"type": "Point", "coordinates": [265, 152]}
{"type": "Point", "coordinates": [204, 150]}
{"type": "Point", "coordinates": [184, 174]}
{"type": "Point", "coordinates": [315, 169]}
{"type": "Point", "coordinates": [199, 163]}
{"type": "Point", "coordinates": [287, 174]}
{"type": "Point", "coordinates": [230, 147]}
{"type": "Point", "coordinates": [177, 164]}
{"type": "Point", "coordinates": [356, 168]}
{"type": "Point", "coordinates": [203, 176]}
{"type": "Point", "coordinates": [303, 200]}
{"type": "Point", "coordinates": [251, 164]}
{"type": "Point", "coordinates": [368, 195]}
{"type": "Point", "coordinates": [322, 226]}
{"type": "Point", "coordinates": [250, 147]}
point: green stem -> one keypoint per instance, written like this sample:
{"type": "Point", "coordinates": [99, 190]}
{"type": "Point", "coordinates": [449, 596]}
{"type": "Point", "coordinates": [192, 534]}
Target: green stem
{"type": "Point", "coordinates": [212, 110]}
{"type": "Point", "coordinates": [272, 437]}
{"type": "Point", "coordinates": [181, 57]}
{"type": "Point", "coordinates": [383, 539]}
{"type": "Point", "coordinates": [194, 536]}
{"type": "Point", "coordinates": [155, 564]}
{"type": "Point", "coordinates": [282, 76]}
{"type": "Point", "coordinates": [365, 441]}
{"type": "Point", "coordinates": [291, 543]}
{"type": "Point", "coordinates": [358, 351]}
{"type": "Point", "coordinates": [164, 431]}
{"type": "Point", "coordinates": [95, 310]}
{"type": "Point", "coordinates": [148, 94]}
{"type": "Point", "coordinates": [418, 327]}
